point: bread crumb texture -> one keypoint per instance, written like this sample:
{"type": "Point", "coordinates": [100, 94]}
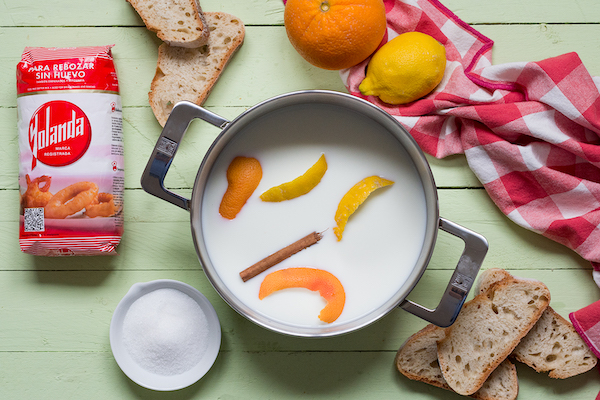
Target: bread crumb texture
{"type": "Point", "coordinates": [509, 317]}
{"type": "Point", "coordinates": [417, 359]}
{"type": "Point", "coordinates": [487, 330]}
{"type": "Point", "coordinates": [176, 22]}
{"type": "Point", "coordinates": [554, 346]}
{"type": "Point", "coordinates": [190, 73]}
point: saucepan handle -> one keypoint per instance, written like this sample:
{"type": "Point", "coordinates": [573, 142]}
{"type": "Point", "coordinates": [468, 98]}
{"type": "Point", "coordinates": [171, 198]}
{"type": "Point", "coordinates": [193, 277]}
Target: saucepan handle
{"type": "Point", "coordinates": [154, 175]}
{"type": "Point", "coordinates": [476, 247]}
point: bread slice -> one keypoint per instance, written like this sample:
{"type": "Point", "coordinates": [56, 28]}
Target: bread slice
{"type": "Point", "coordinates": [417, 360]}
{"type": "Point", "coordinates": [487, 330]}
{"type": "Point", "coordinates": [490, 276]}
{"type": "Point", "coordinates": [552, 345]}
{"type": "Point", "coordinates": [176, 22]}
{"type": "Point", "coordinates": [190, 74]}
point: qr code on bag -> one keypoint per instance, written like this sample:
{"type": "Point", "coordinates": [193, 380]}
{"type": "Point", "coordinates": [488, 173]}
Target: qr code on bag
{"type": "Point", "coordinates": [33, 220]}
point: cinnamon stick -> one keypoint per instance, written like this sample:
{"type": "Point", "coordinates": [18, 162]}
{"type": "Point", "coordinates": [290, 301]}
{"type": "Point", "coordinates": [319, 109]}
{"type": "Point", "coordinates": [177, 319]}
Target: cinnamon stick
{"type": "Point", "coordinates": [280, 255]}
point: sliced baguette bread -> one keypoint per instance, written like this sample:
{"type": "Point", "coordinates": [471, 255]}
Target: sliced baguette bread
{"type": "Point", "coordinates": [190, 74]}
{"type": "Point", "coordinates": [417, 360]}
{"type": "Point", "coordinates": [552, 345]}
{"type": "Point", "coordinates": [176, 22]}
{"type": "Point", "coordinates": [489, 277]}
{"type": "Point", "coordinates": [487, 330]}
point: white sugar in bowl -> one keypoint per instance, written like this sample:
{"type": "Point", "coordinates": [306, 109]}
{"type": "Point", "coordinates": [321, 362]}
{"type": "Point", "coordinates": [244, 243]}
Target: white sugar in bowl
{"type": "Point", "coordinates": [165, 335]}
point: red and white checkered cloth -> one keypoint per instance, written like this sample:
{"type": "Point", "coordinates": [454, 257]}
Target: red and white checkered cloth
{"type": "Point", "coordinates": [530, 132]}
{"type": "Point", "coordinates": [587, 320]}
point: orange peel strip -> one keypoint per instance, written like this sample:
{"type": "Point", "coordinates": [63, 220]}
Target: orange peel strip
{"type": "Point", "coordinates": [299, 186]}
{"type": "Point", "coordinates": [243, 176]}
{"type": "Point", "coordinates": [327, 284]}
{"type": "Point", "coordinates": [354, 198]}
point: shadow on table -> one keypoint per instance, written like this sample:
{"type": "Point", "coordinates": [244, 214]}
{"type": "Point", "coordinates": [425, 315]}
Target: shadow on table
{"type": "Point", "coordinates": [74, 271]}
{"type": "Point", "coordinates": [532, 385]}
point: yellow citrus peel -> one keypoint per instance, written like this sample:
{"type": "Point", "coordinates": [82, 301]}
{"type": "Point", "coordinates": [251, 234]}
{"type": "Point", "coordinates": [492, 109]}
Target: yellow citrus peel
{"type": "Point", "coordinates": [299, 186]}
{"type": "Point", "coordinates": [354, 198]}
{"type": "Point", "coordinates": [327, 284]}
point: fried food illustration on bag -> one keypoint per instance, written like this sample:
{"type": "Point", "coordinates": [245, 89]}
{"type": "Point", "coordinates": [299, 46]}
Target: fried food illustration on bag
{"type": "Point", "coordinates": [71, 199]}
{"type": "Point", "coordinates": [71, 151]}
{"type": "Point", "coordinates": [80, 196]}
{"type": "Point", "coordinates": [36, 196]}
{"type": "Point", "coordinates": [103, 206]}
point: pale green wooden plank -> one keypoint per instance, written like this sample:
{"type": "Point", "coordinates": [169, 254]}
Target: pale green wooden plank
{"type": "Point", "coordinates": [155, 230]}
{"type": "Point", "coordinates": [120, 13]}
{"type": "Point", "coordinates": [144, 246]}
{"type": "Point", "coordinates": [70, 311]}
{"type": "Point", "coordinates": [511, 246]}
{"type": "Point", "coordinates": [35, 13]}
{"type": "Point", "coordinates": [531, 11]}
{"type": "Point", "coordinates": [452, 172]}
{"type": "Point", "coordinates": [260, 69]}
{"type": "Point", "coordinates": [321, 375]}
{"type": "Point", "coordinates": [141, 131]}
{"type": "Point", "coordinates": [264, 64]}
{"type": "Point", "coordinates": [55, 312]}
{"type": "Point", "coordinates": [540, 41]}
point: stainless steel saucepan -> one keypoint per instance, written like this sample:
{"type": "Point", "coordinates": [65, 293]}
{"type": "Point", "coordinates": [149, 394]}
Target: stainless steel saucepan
{"type": "Point", "coordinates": [300, 107]}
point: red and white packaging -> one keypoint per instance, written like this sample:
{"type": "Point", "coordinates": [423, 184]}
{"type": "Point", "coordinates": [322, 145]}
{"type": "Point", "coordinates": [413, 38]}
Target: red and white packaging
{"type": "Point", "coordinates": [71, 175]}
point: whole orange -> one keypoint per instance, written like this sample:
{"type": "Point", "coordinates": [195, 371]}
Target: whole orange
{"type": "Point", "coordinates": [335, 34]}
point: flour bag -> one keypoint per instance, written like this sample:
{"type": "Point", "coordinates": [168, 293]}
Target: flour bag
{"type": "Point", "coordinates": [71, 178]}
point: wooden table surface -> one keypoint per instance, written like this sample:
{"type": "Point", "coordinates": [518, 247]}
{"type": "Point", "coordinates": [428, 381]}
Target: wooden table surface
{"type": "Point", "coordinates": [55, 312]}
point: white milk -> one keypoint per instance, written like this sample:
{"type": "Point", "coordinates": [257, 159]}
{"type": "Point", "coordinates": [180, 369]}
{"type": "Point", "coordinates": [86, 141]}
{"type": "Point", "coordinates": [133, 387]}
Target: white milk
{"type": "Point", "coordinates": [381, 242]}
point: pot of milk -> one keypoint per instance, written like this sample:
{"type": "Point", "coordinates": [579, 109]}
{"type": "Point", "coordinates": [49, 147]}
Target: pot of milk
{"type": "Point", "coordinates": [387, 242]}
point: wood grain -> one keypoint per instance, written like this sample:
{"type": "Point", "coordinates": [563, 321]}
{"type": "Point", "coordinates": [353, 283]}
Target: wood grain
{"type": "Point", "coordinates": [55, 312]}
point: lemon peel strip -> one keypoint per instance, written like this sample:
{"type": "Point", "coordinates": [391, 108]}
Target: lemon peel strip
{"type": "Point", "coordinates": [354, 198]}
{"type": "Point", "coordinates": [299, 186]}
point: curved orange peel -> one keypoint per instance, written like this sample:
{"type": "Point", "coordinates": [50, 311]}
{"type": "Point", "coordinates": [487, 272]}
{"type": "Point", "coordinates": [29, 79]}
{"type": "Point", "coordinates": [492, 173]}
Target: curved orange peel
{"type": "Point", "coordinates": [299, 186]}
{"type": "Point", "coordinates": [354, 198]}
{"type": "Point", "coordinates": [328, 286]}
{"type": "Point", "coordinates": [243, 176]}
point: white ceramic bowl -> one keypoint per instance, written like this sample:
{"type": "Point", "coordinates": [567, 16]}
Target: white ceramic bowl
{"type": "Point", "coordinates": [149, 379]}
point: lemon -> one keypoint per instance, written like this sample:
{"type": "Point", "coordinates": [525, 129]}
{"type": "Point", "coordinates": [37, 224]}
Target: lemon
{"type": "Point", "coordinates": [405, 69]}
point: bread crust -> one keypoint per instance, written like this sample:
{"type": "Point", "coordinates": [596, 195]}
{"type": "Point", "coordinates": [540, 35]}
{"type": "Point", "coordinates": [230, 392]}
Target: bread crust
{"type": "Point", "coordinates": [426, 341]}
{"type": "Point", "coordinates": [178, 23]}
{"type": "Point", "coordinates": [417, 360]}
{"type": "Point", "coordinates": [190, 74]}
{"type": "Point", "coordinates": [490, 276]}
{"type": "Point", "coordinates": [541, 338]}
{"type": "Point", "coordinates": [552, 345]}
{"type": "Point", "coordinates": [487, 330]}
